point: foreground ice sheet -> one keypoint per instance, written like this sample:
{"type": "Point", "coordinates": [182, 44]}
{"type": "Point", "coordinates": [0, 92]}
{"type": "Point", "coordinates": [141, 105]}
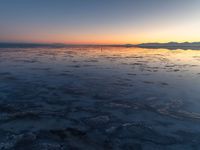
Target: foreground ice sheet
{"type": "Point", "coordinates": [99, 98]}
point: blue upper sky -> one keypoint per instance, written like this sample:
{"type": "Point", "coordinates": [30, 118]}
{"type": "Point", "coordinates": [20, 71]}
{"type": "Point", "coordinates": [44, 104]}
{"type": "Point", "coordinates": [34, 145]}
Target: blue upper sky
{"type": "Point", "coordinates": [99, 21]}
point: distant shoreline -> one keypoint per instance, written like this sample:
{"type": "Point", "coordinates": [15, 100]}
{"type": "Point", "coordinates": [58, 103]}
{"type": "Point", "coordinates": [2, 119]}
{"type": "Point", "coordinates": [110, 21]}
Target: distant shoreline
{"type": "Point", "coordinates": [171, 45]}
{"type": "Point", "coordinates": [54, 45]}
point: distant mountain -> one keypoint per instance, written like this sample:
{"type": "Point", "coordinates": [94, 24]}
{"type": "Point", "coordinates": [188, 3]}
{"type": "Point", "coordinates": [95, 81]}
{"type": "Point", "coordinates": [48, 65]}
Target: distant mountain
{"type": "Point", "coordinates": [23, 45]}
{"type": "Point", "coordinates": [129, 45]}
{"type": "Point", "coordinates": [172, 45]}
{"type": "Point", "coordinates": [33, 45]}
{"type": "Point", "coordinates": [54, 45]}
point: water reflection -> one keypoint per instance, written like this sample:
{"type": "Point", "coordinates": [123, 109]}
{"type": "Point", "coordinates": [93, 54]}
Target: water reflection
{"type": "Point", "coordinates": [114, 97]}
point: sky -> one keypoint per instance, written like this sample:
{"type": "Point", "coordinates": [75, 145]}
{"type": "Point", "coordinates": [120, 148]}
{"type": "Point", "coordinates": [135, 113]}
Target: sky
{"type": "Point", "coordinates": [99, 21]}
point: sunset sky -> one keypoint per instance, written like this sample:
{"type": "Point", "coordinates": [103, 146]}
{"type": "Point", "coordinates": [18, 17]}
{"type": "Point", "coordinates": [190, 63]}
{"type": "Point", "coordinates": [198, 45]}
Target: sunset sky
{"type": "Point", "coordinates": [99, 21]}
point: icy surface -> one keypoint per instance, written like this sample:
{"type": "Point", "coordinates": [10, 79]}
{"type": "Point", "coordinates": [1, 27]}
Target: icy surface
{"type": "Point", "coordinates": [99, 98]}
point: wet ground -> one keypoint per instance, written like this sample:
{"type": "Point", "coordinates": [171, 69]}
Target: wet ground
{"type": "Point", "coordinates": [100, 98]}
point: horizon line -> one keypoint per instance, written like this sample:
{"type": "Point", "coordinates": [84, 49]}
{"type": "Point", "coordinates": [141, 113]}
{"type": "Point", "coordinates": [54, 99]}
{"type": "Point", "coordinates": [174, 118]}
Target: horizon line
{"type": "Point", "coordinates": [91, 44]}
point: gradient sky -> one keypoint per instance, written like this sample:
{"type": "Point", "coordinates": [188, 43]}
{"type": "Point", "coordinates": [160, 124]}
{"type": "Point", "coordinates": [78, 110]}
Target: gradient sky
{"type": "Point", "coordinates": [99, 21]}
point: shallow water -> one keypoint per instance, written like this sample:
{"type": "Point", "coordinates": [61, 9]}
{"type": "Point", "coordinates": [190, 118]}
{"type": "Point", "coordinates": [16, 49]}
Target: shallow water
{"type": "Point", "coordinates": [99, 98]}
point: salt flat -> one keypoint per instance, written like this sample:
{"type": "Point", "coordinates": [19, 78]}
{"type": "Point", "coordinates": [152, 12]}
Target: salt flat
{"type": "Point", "coordinates": [99, 98]}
